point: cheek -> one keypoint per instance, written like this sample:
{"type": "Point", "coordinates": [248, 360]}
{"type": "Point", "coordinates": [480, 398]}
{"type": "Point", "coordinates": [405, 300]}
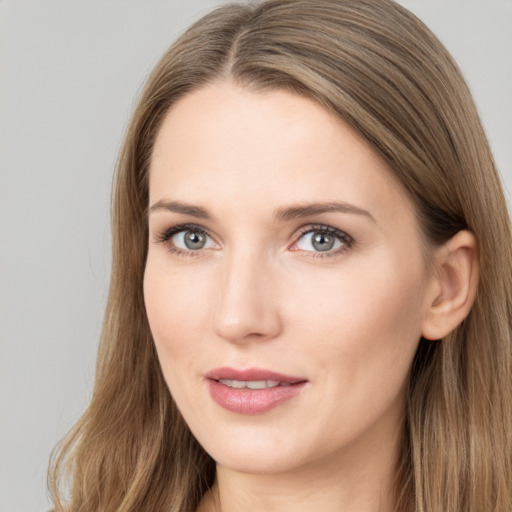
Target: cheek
{"type": "Point", "coordinates": [358, 332]}
{"type": "Point", "coordinates": [366, 320]}
{"type": "Point", "coordinates": [177, 307]}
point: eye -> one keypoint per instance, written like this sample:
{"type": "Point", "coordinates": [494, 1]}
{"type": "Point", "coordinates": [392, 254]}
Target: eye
{"type": "Point", "coordinates": [186, 239]}
{"type": "Point", "coordinates": [192, 240]}
{"type": "Point", "coordinates": [323, 239]}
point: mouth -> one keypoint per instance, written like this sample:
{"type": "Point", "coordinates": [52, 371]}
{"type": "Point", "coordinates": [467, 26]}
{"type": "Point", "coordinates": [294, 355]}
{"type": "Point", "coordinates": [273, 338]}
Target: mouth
{"type": "Point", "coordinates": [252, 391]}
{"type": "Point", "coordinates": [252, 384]}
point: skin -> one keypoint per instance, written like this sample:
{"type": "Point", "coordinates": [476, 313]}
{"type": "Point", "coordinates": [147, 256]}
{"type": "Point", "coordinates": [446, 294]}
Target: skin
{"type": "Point", "coordinates": [260, 295]}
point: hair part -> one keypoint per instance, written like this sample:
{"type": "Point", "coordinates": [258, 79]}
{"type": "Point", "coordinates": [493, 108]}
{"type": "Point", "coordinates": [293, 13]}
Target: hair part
{"type": "Point", "coordinates": [379, 69]}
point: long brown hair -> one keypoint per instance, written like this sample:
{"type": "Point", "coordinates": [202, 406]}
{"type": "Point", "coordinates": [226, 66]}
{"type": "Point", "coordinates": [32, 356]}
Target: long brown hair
{"type": "Point", "coordinates": [378, 68]}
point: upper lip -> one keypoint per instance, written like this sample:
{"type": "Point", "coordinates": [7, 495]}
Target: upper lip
{"type": "Point", "coordinates": [251, 374]}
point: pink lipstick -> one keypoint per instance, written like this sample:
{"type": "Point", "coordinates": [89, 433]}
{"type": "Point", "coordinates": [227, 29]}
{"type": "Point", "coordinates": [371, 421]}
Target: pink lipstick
{"type": "Point", "coordinates": [252, 391]}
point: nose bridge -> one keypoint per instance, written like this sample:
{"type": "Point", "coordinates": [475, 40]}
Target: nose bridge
{"type": "Point", "coordinates": [246, 307]}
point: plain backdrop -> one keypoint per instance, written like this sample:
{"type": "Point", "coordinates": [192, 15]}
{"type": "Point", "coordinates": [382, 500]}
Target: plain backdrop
{"type": "Point", "coordinates": [70, 72]}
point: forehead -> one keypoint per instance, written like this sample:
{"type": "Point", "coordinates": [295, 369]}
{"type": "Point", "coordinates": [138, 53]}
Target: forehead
{"type": "Point", "coordinates": [223, 146]}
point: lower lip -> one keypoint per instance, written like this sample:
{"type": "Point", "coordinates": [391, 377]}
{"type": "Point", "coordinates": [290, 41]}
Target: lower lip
{"type": "Point", "coordinates": [252, 401]}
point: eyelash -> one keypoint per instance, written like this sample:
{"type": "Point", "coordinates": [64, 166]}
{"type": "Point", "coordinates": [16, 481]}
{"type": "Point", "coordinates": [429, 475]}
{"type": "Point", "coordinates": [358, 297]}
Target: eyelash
{"type": "Point", "coordinates": [347, 241]}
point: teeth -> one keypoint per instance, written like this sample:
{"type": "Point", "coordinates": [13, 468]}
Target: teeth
{"type": "Point", "coordinates": [250, 384]}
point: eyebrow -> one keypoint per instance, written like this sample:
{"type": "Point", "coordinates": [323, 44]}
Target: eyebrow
{"type": "Point", "coordinates": [280, 215]}
{"type": "Point", "coordinates": [177, 207]}
{"type": "Point", "coordinates": [307, 210]}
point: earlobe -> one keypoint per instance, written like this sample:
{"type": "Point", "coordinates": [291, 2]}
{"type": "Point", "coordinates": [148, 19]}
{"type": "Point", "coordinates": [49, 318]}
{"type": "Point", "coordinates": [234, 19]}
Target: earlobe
{"type": "Point", "coordinates": [455, 283]}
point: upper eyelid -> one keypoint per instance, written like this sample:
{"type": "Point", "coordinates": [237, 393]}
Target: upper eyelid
{"type": "Point", "coordinates": [320, 227]}
{"type": "Point", "coordinates": [173, 230]}
{"type": "Point", "coordinates": [311, 228]}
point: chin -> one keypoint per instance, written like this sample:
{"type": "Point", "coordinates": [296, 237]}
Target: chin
{"type": "Point", "coordinates": [256, 463]}
{"type": "Point", "coordinates": [253, 452]}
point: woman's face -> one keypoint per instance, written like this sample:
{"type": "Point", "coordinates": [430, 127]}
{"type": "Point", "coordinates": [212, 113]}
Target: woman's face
{"type": "Point", "coordinates": [285, 284]}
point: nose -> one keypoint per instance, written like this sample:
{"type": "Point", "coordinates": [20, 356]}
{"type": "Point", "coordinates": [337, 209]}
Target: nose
{"type": "Point", "coordinates": [246, 308]}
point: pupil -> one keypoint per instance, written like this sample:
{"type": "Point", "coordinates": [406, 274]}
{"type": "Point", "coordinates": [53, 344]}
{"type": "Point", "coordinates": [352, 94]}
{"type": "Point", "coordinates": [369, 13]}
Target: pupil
{"type": "Point", "coordinates": [323, 241]}
{"type": "Point", "coordinates": [194, 240]}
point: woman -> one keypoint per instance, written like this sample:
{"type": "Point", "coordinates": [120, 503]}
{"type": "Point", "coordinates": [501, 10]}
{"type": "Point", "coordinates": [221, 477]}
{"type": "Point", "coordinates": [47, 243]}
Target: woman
{"type": "Point", "coordinates": [310, 298]}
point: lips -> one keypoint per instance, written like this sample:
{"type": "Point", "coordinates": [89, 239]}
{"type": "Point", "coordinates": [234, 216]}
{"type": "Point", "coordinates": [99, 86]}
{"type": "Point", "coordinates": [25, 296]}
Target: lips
{"type": "Point", "coordinates": [252, 391]}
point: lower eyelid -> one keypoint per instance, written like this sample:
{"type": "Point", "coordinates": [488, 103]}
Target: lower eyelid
{"type": "Point", "coordinates": [325, 255]}
{"type": "Point", "coordinates": [185, 253]}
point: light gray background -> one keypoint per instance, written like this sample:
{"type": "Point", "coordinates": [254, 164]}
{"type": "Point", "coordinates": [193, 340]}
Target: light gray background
{"type": "Point", "coordinates": [70, 71]}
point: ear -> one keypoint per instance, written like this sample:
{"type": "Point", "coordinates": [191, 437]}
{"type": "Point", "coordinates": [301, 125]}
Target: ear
{"type": "Point", "coordinates": [455, 280]}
